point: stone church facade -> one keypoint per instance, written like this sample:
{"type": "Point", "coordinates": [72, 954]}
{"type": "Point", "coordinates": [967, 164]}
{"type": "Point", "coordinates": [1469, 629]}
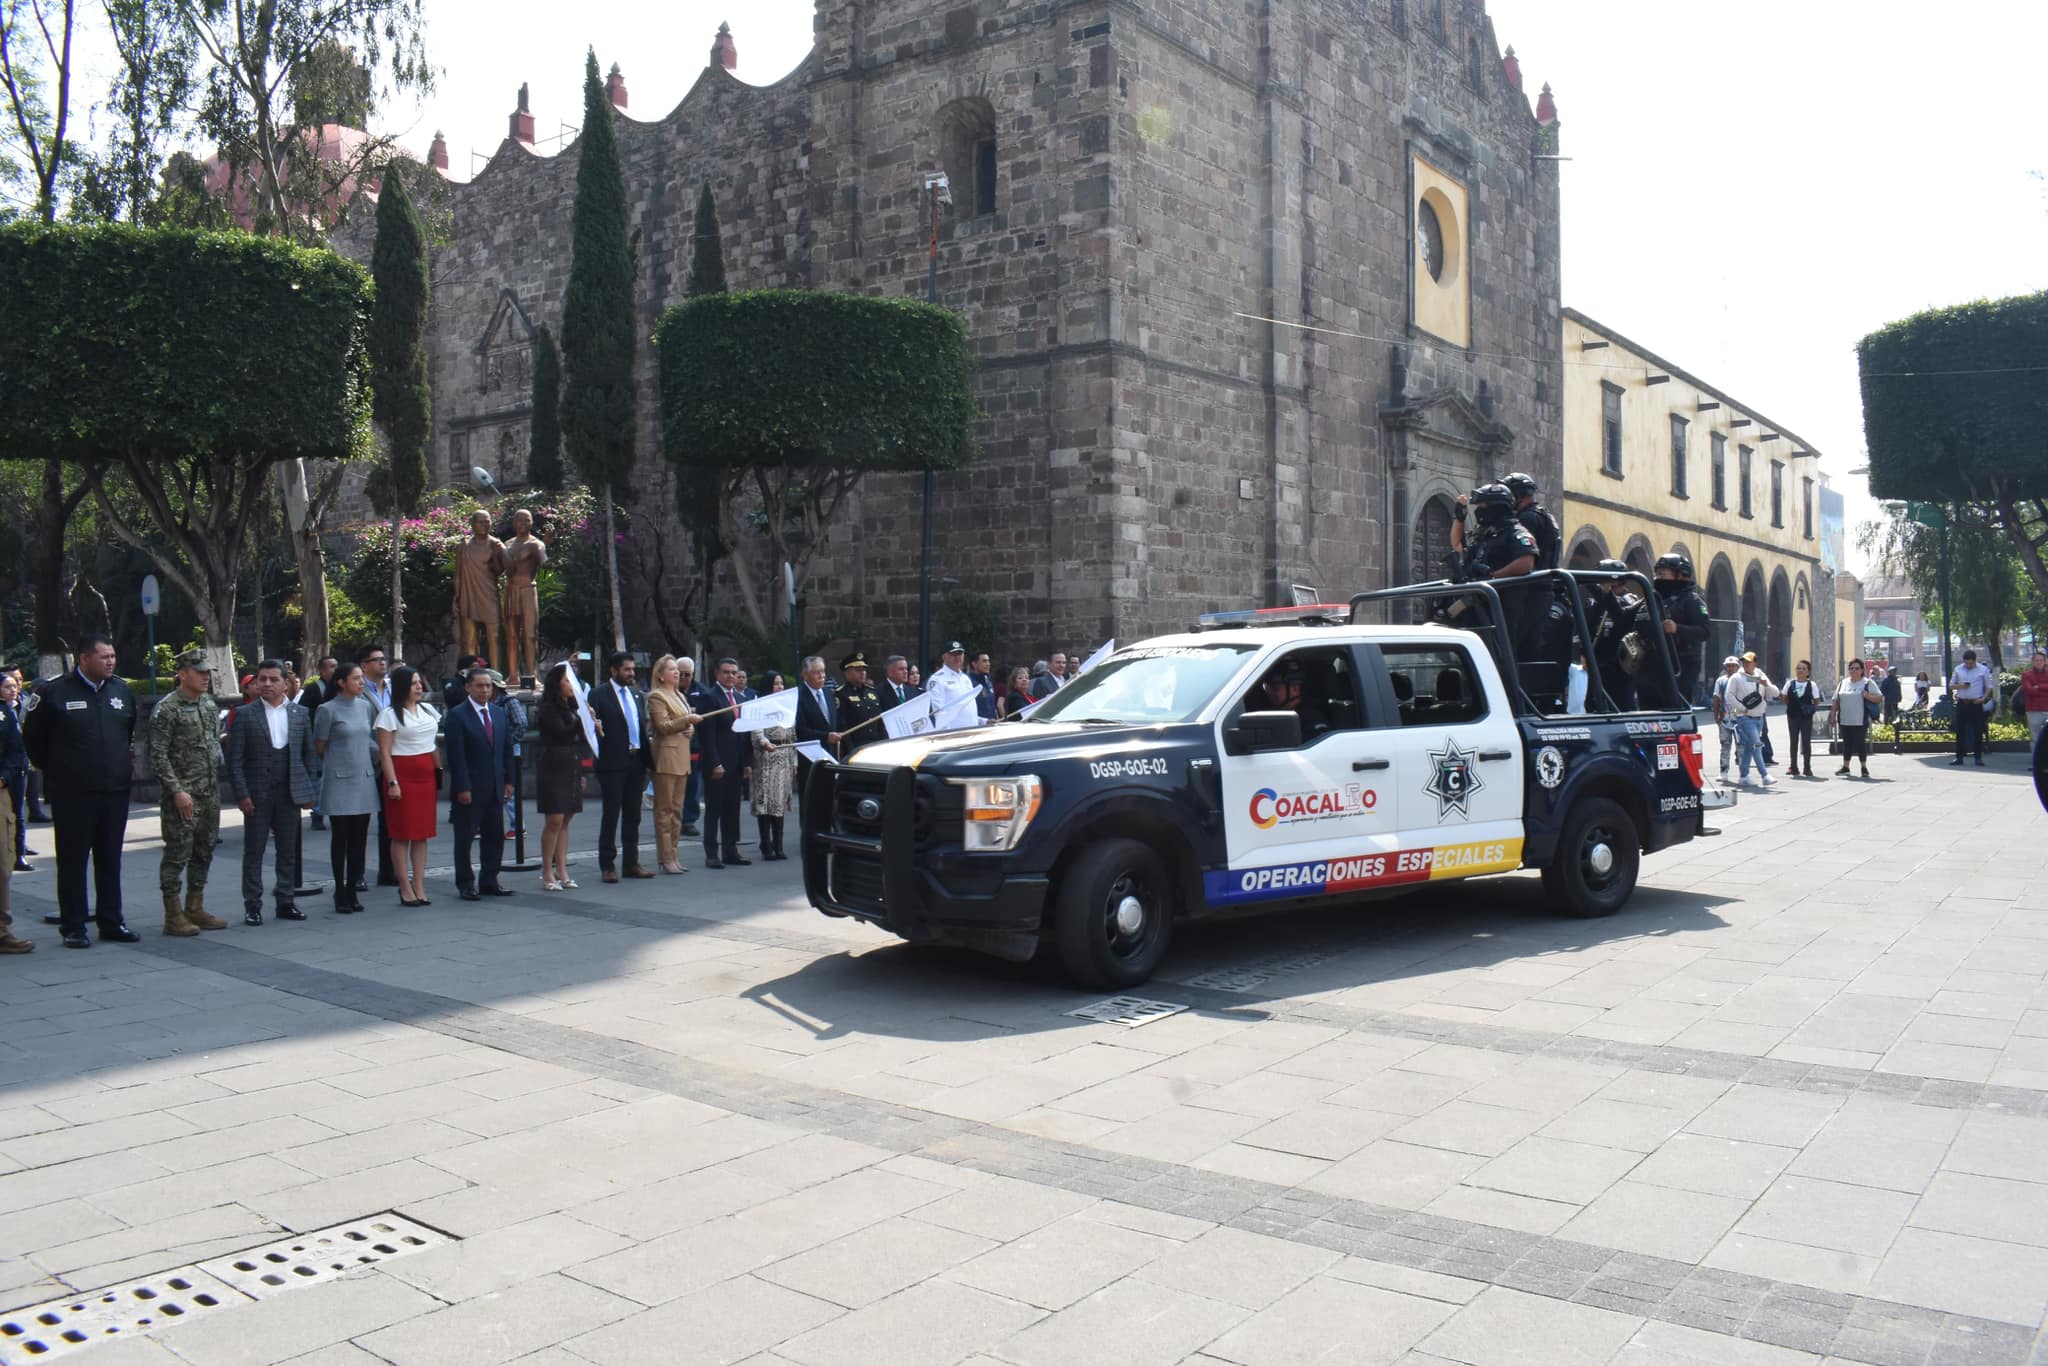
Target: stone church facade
{"type": "Point", "coordinates": [1254, 290]}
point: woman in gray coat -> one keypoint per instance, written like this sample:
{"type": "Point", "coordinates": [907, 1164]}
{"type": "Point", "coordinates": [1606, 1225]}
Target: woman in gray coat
{"type": "Point", "coordinates": [343, 737]}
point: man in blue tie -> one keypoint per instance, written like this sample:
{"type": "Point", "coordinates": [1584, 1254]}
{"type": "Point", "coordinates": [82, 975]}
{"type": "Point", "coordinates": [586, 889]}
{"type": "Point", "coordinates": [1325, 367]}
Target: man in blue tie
{"type": "Point", "coordinates": [621, 766]}
{"type": "Point", "coordinates": [817, 718]}
{"type": "Point", "coordinates": [479, 742]}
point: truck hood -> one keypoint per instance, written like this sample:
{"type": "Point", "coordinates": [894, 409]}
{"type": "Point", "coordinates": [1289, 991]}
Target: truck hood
{"type": "Point", "coordinates": [991, 749]}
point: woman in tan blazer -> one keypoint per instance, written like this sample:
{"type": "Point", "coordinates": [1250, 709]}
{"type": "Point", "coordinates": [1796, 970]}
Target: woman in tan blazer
{"type": "Point", "coordinates": [670, 718]}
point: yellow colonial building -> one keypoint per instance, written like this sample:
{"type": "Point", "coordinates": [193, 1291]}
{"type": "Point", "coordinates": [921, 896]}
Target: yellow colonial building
{"type": "Point", "coordinates": [1657, 460]}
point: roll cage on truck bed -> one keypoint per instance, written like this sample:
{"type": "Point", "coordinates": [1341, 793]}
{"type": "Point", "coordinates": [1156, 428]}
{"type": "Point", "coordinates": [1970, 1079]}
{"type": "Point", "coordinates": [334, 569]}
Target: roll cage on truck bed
{"type": "Point", "coordinates": [1088, 836]}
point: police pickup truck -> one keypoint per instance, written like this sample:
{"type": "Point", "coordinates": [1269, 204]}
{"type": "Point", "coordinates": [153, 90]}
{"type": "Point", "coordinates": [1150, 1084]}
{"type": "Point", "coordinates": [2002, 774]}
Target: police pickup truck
{"type": "Point", "coordinates": [1256, 765]}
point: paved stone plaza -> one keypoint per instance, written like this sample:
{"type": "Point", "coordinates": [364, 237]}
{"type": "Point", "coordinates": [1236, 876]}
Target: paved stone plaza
{"type": "Point", "coordinates": [1791, 1106]}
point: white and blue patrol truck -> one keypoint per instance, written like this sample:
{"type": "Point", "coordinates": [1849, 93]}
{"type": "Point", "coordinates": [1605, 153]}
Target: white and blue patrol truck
{"type": "Point", "coordinates": [1171, 783]}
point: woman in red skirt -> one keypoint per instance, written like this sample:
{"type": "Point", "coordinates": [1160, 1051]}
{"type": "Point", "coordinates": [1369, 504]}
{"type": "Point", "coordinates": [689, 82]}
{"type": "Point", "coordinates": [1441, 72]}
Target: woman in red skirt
{"type": "Point", "coordinates": [408, 741]}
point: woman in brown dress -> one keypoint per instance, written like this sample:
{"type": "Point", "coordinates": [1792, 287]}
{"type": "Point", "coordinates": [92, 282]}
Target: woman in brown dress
{"type": "Point", "coordinates": [670, 718]}
{"type": "Point", "coordinates": [558, 782]}
{"type": "Point", "coordinates": [774, 777]}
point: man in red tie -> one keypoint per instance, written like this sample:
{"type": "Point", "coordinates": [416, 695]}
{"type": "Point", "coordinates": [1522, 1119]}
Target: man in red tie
{"type": "Point", "coordinates": [726, 766]}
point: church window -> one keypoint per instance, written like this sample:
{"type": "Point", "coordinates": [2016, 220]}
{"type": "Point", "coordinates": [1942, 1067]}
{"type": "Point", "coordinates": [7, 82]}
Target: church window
{"type": "Point", "coordinates": [968, 151]}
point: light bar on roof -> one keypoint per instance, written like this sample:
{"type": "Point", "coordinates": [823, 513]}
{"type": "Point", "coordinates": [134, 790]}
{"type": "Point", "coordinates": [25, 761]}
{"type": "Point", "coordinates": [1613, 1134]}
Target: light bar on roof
{"type": "Point", "coordinates": [1307, 614]}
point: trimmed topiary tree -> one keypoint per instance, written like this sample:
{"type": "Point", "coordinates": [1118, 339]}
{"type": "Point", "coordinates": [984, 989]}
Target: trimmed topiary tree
{"type": "Point", "coordinates": [1954, 404]}
{"type": "Point", "coordinates": [794, 396]}
{"type": "Point", "coordinates": [188, 364]}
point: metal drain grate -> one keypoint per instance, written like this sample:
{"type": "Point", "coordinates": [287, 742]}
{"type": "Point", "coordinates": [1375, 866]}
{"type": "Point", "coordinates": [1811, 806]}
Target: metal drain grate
{"type": "Point", "coordinates": [45, 1332]}
{"type": "Point", "coordinates": [323, 1254]}
{"type": "Point", "coordinates": [1260, 971]}
{"type": "Point", "coordinates": [1128, 1011]}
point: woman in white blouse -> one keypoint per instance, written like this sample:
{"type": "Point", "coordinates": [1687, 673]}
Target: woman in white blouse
{"type": "Point", "coordinates": [1857, 703]}
{"type": "Point", "coordinates": [409, 751]}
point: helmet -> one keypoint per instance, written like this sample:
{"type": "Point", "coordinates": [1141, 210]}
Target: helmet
{"type": "Point", "coordinates": [1613, 566]}
{"type": "Point", "coordinates": [1492, 502]}
{"type": "Point", "coordinates": [1678, 564]}
{"type": "Point", "coordinates": [1521, 485]}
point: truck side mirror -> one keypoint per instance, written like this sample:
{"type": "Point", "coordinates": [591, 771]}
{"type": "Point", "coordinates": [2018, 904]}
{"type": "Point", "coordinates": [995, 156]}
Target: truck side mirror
{"type": "Point", "coordinates": [1257, 731]}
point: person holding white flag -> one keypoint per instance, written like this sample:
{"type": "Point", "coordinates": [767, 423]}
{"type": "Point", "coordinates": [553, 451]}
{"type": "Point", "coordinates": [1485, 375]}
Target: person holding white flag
{"type": "Point", "coordinates": [565, 726]}
{"type": "Point", "coordinates": [772, 789]}
{"type": "Point", "coordinates": [769, 711]}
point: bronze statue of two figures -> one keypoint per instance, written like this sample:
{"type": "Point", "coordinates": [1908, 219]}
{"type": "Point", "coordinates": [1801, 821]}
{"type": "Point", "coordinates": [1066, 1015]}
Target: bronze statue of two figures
{"type": "Point", "coordinates": [496, 587]}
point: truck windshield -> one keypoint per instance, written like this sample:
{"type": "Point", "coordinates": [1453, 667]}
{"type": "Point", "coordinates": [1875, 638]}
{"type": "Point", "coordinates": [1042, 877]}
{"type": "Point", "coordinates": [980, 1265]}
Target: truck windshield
{"type": "Point", "coordinates": [1146, 685]}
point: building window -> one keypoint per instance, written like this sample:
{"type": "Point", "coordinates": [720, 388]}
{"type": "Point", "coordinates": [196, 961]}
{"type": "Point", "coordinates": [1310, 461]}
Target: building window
{"type": "Point", "coordinates": [1610, 429]}
{"type": "Point", "coordinates": [985, 176]}
{"type": "Point", "coordinates": [967, 149]}
{"type": "Point", "coordinates": [1806, 508]}
{"type": "Point", "coordinates": [1720, 461]}
{"type": "Point", "coordinates": [1744, 460]}
{"type": "Point", "coordinates": [1777, 493]}
{"type": "Point", "coordinates": [1678, 471]}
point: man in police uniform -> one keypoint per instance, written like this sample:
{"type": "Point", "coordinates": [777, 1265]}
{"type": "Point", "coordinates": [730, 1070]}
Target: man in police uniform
{"type": "Point", "coordinates": [184, 754]}
{"type": "Point", "coordinates": [1282, 690]}
{"type": "Point", "coordinates": [1503, 550]}
{"type": "Point", "coordinates": [857, 702]}
{"type": "Point", "coordinates": [1614, 611]}
{"type": "Point", "coordinates": [78, 732]}
{"type": "Point", "coordinates": [1686, 623]}
{"type": "Point", "coordinates": [1536, 520]}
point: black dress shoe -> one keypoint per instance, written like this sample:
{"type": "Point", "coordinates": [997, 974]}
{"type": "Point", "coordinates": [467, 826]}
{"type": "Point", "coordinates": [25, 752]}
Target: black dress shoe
{"type": "Point", "coordinates": [119, 934]}
{"type": "Point", "coordinates": [319, 821]}
{"type": "Point", "coordinates": [691, 830]}
{"type": "Point", "coordinates": [468, 895]}
{"type": "Point", "coordinates": [252, 917]}
{"type": "Point", "coordinates": [77, 940]}
{"type": "Point", "coordinates": [713, 863]}
{"type": "Point", "coordinates": [37, 816]}
{"type": "Point", "coordinates": [53, 919]}
{"type": "Point", "coordinates": [496, 891]}
{"type": "Point", "coordinates": [734, 857]}
{"type": "Point", "coordinates": [22, 865]}
{"type": "Point", "coordinates": [361, 886]}
{"type": "Point", "coordinates": [290, 913]}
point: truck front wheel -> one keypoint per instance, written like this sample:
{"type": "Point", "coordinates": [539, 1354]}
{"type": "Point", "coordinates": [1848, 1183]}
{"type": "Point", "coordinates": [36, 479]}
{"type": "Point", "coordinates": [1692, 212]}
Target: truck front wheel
{"type": "Point", "coordinates": [1593, 872]}
{"type": "Point", "coordinates": [1111, 917]}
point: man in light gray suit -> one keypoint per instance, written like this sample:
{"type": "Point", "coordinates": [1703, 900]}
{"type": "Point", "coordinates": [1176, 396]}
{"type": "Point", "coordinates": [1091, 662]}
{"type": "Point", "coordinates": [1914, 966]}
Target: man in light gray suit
{"type": "Point", "coordinates": [270, 777]}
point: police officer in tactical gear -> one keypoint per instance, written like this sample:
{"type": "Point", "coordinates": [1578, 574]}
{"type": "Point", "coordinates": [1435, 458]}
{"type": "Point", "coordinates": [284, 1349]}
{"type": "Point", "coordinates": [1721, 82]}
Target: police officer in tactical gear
{"type": "Point", "coordinates": [857, 702]}
{"type": "Point", "coordinates": [1686, 624]}
{"type": "Point", "coordinates": [1614, 612]}
{"type": "Point", "coordinates": [78, 733]}
{"type": "Point", "coordinates": [1502, 549]}
{"type": "Point", "coordinates": [184, 754]}
{"type": "Point", "coordinates": [1536, 520]}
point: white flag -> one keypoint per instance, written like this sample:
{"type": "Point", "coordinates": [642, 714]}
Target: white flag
{"type": "Point", "coordinates": [583, 712]}
{"type": "Point", "coordinates": [958, 714]}
{"type": "Point", "coordinates": [813, 751]}
{"type": "Point", "coordinates": [767, 711]}
{"type": "Point", "coordinates": [908, 718]}
{"type": "Point", "coordinates": [1102, 652]}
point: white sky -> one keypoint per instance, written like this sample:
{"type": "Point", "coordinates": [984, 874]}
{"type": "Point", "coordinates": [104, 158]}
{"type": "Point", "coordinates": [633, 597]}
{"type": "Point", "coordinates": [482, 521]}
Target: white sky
{"type": "Point", "coordinates": [1754, 184]}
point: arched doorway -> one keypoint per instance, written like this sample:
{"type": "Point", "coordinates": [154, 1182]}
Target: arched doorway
{"type": "Point", "coordinates": [1585, 555]}
{"type": "Point", "coordinates": [1432, 541]}
{"type": "Point", "coordinates": [1722, 607]}
{"type": "Point", "coordinates": [1638, 556]}
{"type": "Point", "coordinates": [1777, 654]}
{"type": "Point", "coordinates": [1755, 609]}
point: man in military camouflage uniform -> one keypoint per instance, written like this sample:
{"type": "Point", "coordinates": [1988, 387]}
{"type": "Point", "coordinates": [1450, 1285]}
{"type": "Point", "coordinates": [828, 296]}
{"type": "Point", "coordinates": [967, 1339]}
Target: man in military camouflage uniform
{"type": "Point", "coordinates": [184, 754]}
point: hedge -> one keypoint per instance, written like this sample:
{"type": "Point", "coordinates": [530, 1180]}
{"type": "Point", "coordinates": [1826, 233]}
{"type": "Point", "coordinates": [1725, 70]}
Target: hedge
{"type": "Point", "coordinates": [797, 377]}
{"type": "Point", "coordinates": [179, 343]}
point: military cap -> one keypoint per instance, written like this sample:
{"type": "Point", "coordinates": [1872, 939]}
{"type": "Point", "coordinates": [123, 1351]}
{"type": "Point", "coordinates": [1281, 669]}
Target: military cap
{"type": "Point", "coordinates": [856, 660]}
{"type": "Point", "coordinates": [954, 647]}
{"type": "Point", "coordinates": [194, 659]}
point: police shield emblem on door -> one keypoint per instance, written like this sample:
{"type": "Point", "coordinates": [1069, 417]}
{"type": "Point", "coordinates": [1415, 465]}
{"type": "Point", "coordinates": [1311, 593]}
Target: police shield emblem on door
{"type": "Point", "coordinates": [1452, 780]}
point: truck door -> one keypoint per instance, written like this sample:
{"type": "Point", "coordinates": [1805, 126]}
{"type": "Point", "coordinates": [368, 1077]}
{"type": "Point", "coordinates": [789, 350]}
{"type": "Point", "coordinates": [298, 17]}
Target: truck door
{"type": "Point", "coordinates": [1287, 812]}
{"type": "Point", "coordinates": [1457, 760]}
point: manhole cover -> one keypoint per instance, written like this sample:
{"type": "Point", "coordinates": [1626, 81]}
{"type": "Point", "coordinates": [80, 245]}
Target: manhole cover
{"type": "Point", "coordinates": [323, 1254]}
{"type": "Point", "coordinates": [44, 1332]}
{"type": "Point", "coordinates": [1128, 1011]}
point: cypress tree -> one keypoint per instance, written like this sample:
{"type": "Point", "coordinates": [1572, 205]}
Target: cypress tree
{"type": "Point", "coordinates": [401, 400]}
{"type": "Point", "coordinates": [544, 432]}
{"type": "Point", "coordinates": [597, 323]}
{"type": "Point", "coordinates": [707, 252]}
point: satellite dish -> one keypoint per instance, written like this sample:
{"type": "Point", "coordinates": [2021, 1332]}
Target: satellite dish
{"type": "Point", "coordinates": [481, 477]}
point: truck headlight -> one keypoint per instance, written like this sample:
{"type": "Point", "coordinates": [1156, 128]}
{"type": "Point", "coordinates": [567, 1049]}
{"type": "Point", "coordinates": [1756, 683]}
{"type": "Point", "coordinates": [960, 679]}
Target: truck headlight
{"type": "Point", "coordinates": [999, 811]}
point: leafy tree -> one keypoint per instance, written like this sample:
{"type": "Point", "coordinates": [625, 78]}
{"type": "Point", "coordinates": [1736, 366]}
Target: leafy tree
{"type": "Point", "coordinates": [544, 431]}
{"type": "Point", "coordinates": [40, 120]}
{"type": "Point", "coordinates": [1953, 411]}
{"type": "Point", "coordinates": [402, 398]}
{"type": "Point", "coordinates": [597, 323]}
{"type": "Point", "coordinates": [1989, 592]}
{"type": "Point", "coordinates": [152, 87]}
{"type": "Point", "coordinates": [109, 365]}
{"type": "Point", "coordinates": [793, 396]}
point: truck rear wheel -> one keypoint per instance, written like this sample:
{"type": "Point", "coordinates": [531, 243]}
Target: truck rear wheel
{"type": "Point", "coordinates": [1593, 872]}
{"type": "Point", "coordinates": [1111, 918]}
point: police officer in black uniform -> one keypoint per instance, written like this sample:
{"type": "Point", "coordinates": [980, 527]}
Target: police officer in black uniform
{"type": "Point", "coordinates": [78, 733]}
{"type": "Point", "coordinates": [856, 702]}
{"type": "Point", "coordinates": [1502, 549]}
{"type": "Point", "coordinates": [1614, 611]}
{"type": "Point", "coordinates": [1536, 520]}
{"type": "Point", "coordinates": [1686, 624]}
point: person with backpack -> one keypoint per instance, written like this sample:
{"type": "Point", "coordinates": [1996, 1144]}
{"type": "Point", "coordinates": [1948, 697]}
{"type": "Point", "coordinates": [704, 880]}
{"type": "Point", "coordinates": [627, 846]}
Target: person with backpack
{"type": "Point", "coordinates": [1748, 698]}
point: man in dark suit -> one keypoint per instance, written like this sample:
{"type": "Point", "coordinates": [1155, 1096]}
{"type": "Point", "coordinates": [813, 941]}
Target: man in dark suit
{"type": "Point", "coordinates": [479, 743]}
{"type": "Point", "coordinates": [817, 718]}
{"type": "Point", "coordinates": [896, 685]}
{"type": "Point", "coordinates": [621, 766]}
{"type": "Point", "coordinates": [77, 733]}
{"type": "Point", "coordinates": [728, 762]}
{"type": "Point", "coordinates": [270, 777]}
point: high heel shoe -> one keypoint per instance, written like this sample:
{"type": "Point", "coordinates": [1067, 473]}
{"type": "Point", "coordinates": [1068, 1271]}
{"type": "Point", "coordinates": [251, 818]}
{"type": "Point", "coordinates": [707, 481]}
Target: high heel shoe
{"type": "Point", "coordinates": [550, 885]}
{"type": "Point", "coordinates": [568, 884]}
